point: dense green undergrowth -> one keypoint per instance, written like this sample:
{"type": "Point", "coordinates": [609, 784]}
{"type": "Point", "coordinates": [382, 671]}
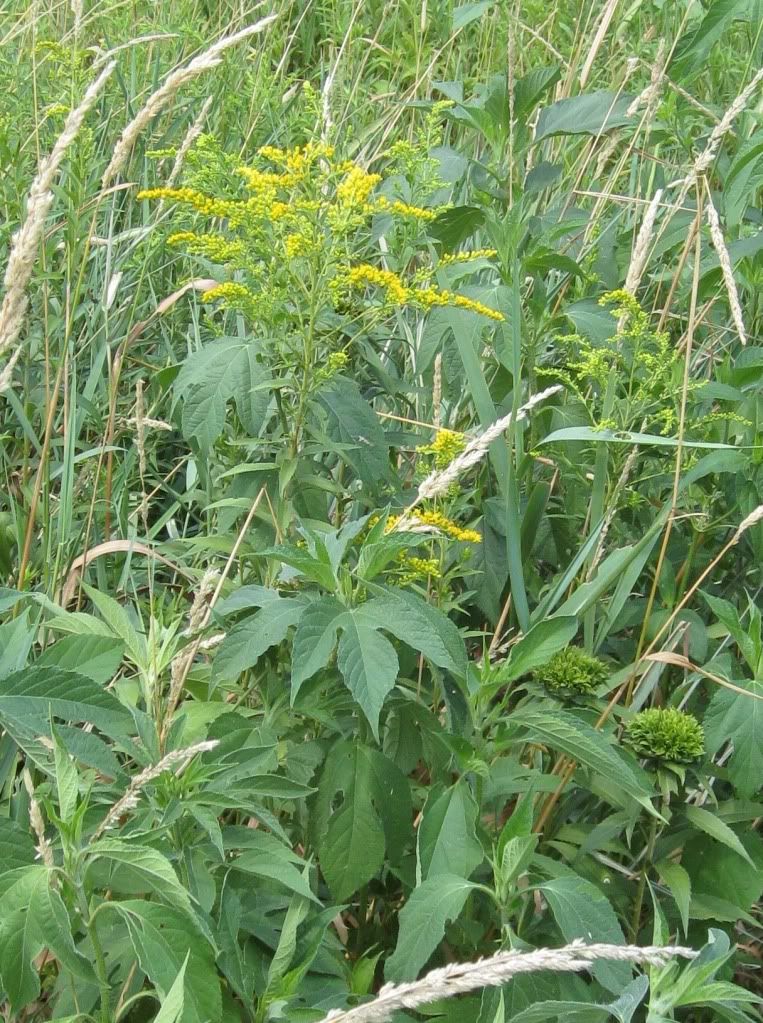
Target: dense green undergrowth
{"type": "Point", "coordinates": [304, 687]}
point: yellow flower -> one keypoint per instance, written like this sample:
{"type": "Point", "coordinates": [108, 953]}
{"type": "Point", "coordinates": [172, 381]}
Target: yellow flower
{"type": "Point", "coordinates": [365, 274]}
{"type": "Point", "coordinates": [418, 568]}
{"type": "Point", "coordinates": [465, 255]}
{"type": "Point", "coordinates": [264, 180]}
{"type": "Point", "coordinates": [212, 246]}
{"type": "Point", "coordinates": [298, 244]}
{"type": "Point", "coordinates": [233, 296]}
{"type": "Point", "coordinates": [446, 446]}
{"type": "Point", "coordinates": [205, 204]}
{"type": "Point", "coordinates": [436, 520]}
{"type": "Point", "coordinates": [384, 205]}
{"type": "Point", "coordinates": [429, 297]}
{"type": "Point", "coordinates": [356, 187]}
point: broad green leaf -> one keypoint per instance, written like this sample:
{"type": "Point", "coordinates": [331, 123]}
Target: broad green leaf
{"type": "Point", "coordinates": [715, 828]}
{"type": "Point", "coordinates": [589, 114]}
{"type": "Point", "coordinates": [131, 864]}
{"type": "Point", "coordinates": [163, 941]}
{"type": "Point", "coordinates": [281, 871]}
{"type": "Point", "coordinates": [446, 841]}
{"type": "Point", "coordinates": [515, 858]}
{"type": "Point", "coordinates": [30, 696]}
{"type": "Point", "coordinates": [311, 567]}
{"type": "Point", "coordinates": [423, 627]}
{"type": "Point", "coordinates": [563, 731]}
{"type": "Point", "coordinates": [582, 911]}
{"type": "Point", "coordinates": [16, 846]}
{"type": "Point", "coordinates": [97, 657]}
{"type": "Point", "coordinates": [354, 423]}
{"type": "Point", "coordinates": [707, 862]}
{"type": "Point", "coordinates": [422, 923]}
{"type": "Point", "coordinates": [67, 779]}
{"type": "Point", "coordinates": [118, 620]}
{"type": "Point", "coordinates": [678, 881]}
{"type": "Point", "coordinates": [537, 647]}
{"type": "Point", "coordinates": [248, 641]}
{"type": "Point", "coordinates": [362, 798]}
{"type": "Point", "coordinates": [172, 1006]}
{"type": "Point", "coordinates": [314, 640]}
{"type": "Point", "coordinates": [368, 664]}
{"type": "Point", "coordinates": [16, 638]}
{"type": "Point", "coordinates": [694, 46]}
{"type": "Point", "coordinates": [731, 716]}
{"type": "Point", "coordinates": [465, 14]}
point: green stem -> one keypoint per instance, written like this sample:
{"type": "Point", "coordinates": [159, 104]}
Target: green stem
{"type": "Point", "coordinates": [100, 959]}
{"type": "Point", "coordinates": [637, 906]}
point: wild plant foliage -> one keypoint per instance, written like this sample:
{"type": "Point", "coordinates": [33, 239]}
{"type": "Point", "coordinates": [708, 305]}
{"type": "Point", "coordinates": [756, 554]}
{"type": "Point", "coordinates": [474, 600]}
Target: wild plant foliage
{"type": "Point", "coordinates": [381, 510]}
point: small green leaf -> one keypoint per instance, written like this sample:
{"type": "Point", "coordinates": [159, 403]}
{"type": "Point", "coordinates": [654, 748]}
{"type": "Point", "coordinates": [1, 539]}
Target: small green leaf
{"type": "Point", "coordinates": [715, 828]}
{"type": "Point", "coordinates": [369, 666]}
{"type": "Point", "coordinates": [248, 641]}
{"type": "Point", "coordinates": [538, 646]}
{"type": "Point", "coordinates": [422, 923]}
{"type": "Point", "coordinates": [592, 113]}
{"type": "Point", "coordinates": [678, 881]}
{"type": "Point", "coordinates": [446, 840]}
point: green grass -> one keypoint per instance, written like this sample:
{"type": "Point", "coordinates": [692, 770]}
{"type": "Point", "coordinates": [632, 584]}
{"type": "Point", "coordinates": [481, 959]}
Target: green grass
{"type": "Point", "coordinates": [200, 538]}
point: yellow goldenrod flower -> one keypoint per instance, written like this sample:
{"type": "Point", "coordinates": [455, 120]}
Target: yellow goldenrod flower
{"type": "Point", "coordinates": [211, 246]}
{"type": "Point", "coordinates": [446, 446]}
{"type": "Point", "coordinates": [205, 204]}
{"type": "Point", "coordinates": [465, 255]}
{"type": "Point", "coordinates": [418, 568]}
{"type": "Point", "coordinates": [272, 153]}
{"type": "Point", "coordinates": [356, 187]}
{"type": "Point", "coordinates": [359, 276]}
{"type": "Point", "coordinates": [232, 295]}
{"type": "Point", "coordinates": [436, 520]}
{"type": "Point", "coordinates": [265, 180]}
{"type": "Point", "coordinates": [429, 297]}
{"type": "Point", "coordinates": [384, 205]}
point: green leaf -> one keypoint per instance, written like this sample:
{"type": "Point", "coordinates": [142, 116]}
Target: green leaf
{"type": "Point", "coordinates": [281, 871]}
{"type": "Point", "coordinates": [422, 923]}
{"type": "Point", "coordinates": [67, 779]}
{"type": "Point", "coordinates": [589, 433]}
{"type": "Point", "coordinates": [163, 942]}
{"type": "Point", "coordinates": [219, 371]}
{"type": "Point", "coordinates": [563, 731]}
{"type": "Point", "coordinates": [716, 829]}
{"type": "Point", "coordinates": [16, 846]}
{"type": "Point", "coordinates": [30, 696]}
{"type": "Point", "coordinates": [446, 840]}
{"type": "Point", "coordinates": [118, 620]}
{"type": "Point", "coordinates": [97, 657]}
{"type": "Point", "coordinates": [537, 647]}
{"type": "Point", "coordinates": [248, 641]}
{"type": "Point", "coordinates": [314, 640]}
{"type": "Point", "coordinates": [423, 627]}
{"type": "Point", "coordinates": [355, 424]}
{"type": "Point", "coordinates": [467, 13]}
{"type": "Point", "coordinates": [731, 716]}
{"type": "Point", "coordinates": [307, 564]}
{"type": "Point", "coordinates": [678, 881]}
{"type": "Point", "coordinates": [582, 911]}
{"type": "Point", "coordinates": [589, 114]}
{"type": "Point", "coordinates": [172, 1006]}
{"type": "Point", "coordinates": [352, 851]}
{"type": "Point", "coordinates": [694, 46]}
{"type": "Point", "coordinates": [368, 664]}
{"type": "Point", "coordinates": [133, 866]}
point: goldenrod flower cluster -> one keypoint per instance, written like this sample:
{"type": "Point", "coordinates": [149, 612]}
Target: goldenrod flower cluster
{"type": "Point", "coordinates": [384, 205]}
{"type": "Point", "coordinates": [447, 445]}
{"type": "Point", "coordinates": [415, 569]}
{"type": "Point", "coordinates": [398, 293]}
{"type": "Point", "coordinates": [357, 186]}
{"type": "Point", "coordinates": [439, 522]}
{"type": "Point", "coordinates": [215, 247]}
{"type": "Point", "coordinates": [467, 255]}
{"type": "Point", "coordinates": [234, 296]}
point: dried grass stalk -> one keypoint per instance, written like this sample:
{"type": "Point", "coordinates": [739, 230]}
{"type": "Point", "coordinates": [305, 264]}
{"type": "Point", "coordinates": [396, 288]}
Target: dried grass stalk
{"type": "Point", "coordinates": [460, 978]}
{"type": "Point", "coordinates": [190, 137]}
{"type": "Point", "coordinates": [164, 94]}
{"type": "Point", "coordinates": [439, 482]}
{"type": "Point", "coordinates": [719, 244]}
{"type": "Point", "coordinates": [179, 758]}
{"type": "Point", "coordinates": [26, 241]}
{"type": "Point", "coordinates": [641, 247]}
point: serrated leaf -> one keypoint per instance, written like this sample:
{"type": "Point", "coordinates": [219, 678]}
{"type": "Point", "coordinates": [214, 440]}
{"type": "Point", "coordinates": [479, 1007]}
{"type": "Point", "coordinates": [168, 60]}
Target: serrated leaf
{"type": "Point", "coordinates": [314, 640]}
{"type": "Point", "coordinates": [563, 731]}
{"type": "Point", "coordinates": [446, 841]}
{"type": "Point", "coordinates": [715, 828]}
{"type": "Point", "coordinates": [537, 647]}
{"type": "Point", "coordinates": [248, 641]}
{"type": "Point", "coordinates": [356, 426]}
{"type": "Point", "coordinates": [30, 696]}
{"type": "Point", "coordinates": [582, 911]}
{"type": "Point", "coordinates": [422, 923]}
{"type": "Point", "coordinates": [97, 657]}
{"type": "Point", "coordinates": [130, 862]}
{"type": "Point", "coordinates": [16, 846]}
{"type": "Point", "coordinates": [172, 1007]}
{"type": "Point", "coordinates": [678, 881]}
{"type": "Point", "coordinates": [282, 871]}
{"type": "Point", "coordinates": [118, 620]}
{"type": "Point", "coordinates": [731, 716]}
{"type": "Point", "coordinates": [163, 941]}
{"type": "Point", "coordinates": [369, 666]}
{"type": "Point", "coordinates": [423, 627]}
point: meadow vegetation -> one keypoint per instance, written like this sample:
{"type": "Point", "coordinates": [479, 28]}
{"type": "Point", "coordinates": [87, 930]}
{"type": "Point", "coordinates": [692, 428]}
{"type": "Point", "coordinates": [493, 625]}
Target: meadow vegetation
{"type": "Point", "coordinates": [381, 505]}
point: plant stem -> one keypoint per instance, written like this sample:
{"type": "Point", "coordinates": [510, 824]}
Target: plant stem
{"type": "Point", "coordinates": [638, 904]}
